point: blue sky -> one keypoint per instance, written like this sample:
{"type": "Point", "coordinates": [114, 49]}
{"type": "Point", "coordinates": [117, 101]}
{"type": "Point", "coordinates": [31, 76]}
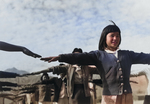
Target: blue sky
{"type": "Point", "coordinates": [52, 27]}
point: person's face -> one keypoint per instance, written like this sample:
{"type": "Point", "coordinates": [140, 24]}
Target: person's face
{"type": "Point", "coordinates": [112, 40]}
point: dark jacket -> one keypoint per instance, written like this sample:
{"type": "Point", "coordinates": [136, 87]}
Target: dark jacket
{"type": "Point", "coordinates": [114, 71]}
{"type": "Point", "coordinates": [69, 71]}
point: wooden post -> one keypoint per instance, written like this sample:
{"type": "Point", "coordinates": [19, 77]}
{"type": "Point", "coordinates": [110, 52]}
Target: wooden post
{"type": "Point", "coordinates": [1, 100]}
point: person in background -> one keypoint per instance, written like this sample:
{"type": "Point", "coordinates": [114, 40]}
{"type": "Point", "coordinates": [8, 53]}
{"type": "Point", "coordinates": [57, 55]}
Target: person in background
{"type": "Point", "coordinates": [80, 88]}
{"type": "Point", "coordinates": [61, 97]}
{"type": "Point", "coordinates": [15, 48]}
{"type": "Point", "coordinates": [113, 65]}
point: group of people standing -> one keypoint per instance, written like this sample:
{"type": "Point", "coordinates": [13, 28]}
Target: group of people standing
{"type": "Point", "coordinates": [79, 87]}
{"type": "Point", "coordinates": [109, 61]}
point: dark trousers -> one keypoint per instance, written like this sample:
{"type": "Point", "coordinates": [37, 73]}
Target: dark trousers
{"type": "Point", "coordinates": [43, 92]}
{"type": "Point", "coordinates": [79, 95]}
{"type": "Point", "coordinates": [147, 99]}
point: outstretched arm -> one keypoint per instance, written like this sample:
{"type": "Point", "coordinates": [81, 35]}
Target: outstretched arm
{"type": "Point", "coordinates": [55, 69]}
{"type": "Point", "coordinates": [38, 72]}
{"type": "Point", "coordinates": [10, 47]}
{"type": "Point", "coordinates": [50, 59]}
{"type": "Point", "coordinates": [75, 58]}
{"type": "Point", "coordinates": [43, 71]}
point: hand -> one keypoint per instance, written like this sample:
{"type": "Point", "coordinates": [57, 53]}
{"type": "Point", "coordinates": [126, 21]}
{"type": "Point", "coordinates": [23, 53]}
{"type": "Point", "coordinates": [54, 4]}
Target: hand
{"type": "Point", "coordinates": [29, 53]}
{"type": "Point", "coordinates": [50, 59]}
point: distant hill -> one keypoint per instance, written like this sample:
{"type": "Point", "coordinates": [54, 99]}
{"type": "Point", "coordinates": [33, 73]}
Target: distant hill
{"type": "Point", "coordinates": [15, 70]}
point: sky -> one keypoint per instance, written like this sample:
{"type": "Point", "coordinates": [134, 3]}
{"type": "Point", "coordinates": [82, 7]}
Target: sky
{"type": "Point", "coordinates": [53, 27]}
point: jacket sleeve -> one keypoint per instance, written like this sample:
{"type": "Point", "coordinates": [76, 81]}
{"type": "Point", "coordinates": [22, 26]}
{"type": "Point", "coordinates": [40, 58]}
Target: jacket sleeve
{"type": "Point", "coordinates": [139, 58]}
{"type": "Point", "coordinates": [59, 69]}
{"type": "Point", "coordinates": [55, 69]}
{"type": "Point", "coordinates": [79, 58]}
{"type": "Point", "coordinates": [9, 47]}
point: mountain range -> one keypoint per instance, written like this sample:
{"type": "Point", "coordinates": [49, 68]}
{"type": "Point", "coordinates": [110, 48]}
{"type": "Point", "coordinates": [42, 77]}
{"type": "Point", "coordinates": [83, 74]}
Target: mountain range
{"type": "Point", "coordinates": [15, 70]}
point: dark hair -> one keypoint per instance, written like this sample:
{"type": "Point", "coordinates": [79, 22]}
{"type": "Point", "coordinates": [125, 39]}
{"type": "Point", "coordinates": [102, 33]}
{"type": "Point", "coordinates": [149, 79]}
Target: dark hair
{"type": "Point", "coordinates": [106, 30]}
{"type": "Point", "coordinates": [77, 50]}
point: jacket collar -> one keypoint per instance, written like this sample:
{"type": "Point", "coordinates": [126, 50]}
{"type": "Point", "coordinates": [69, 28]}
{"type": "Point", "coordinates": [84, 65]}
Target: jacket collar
{"type": "Point", "coordinates": [113, 52]}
